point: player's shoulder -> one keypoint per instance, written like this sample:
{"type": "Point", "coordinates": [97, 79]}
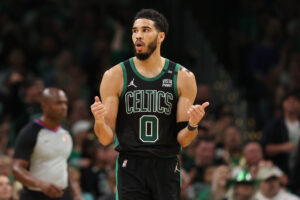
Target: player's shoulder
{"type": "Point", "coordinates": [114, 72]}
{"type": "Point", "coordinates": [184, 72]}
{"type": "Point", "coordinates": [186, 81]}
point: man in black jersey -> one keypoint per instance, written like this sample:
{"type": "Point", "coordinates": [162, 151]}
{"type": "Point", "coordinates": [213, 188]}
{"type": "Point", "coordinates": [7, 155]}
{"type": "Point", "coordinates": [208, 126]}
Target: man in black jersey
{"type": "Point", "coordinates": [42, 151]}
{"type": "Point", "coordinates": [147, 101]}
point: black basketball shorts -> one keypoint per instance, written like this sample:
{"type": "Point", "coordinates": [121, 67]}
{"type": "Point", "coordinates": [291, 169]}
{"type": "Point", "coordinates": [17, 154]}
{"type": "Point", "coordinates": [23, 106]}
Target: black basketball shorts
{"type": "Point", "coordinates": [144, 178]}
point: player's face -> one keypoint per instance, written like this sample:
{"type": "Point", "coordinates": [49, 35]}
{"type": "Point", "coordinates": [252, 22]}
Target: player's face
{"type": "Point", "coordinates": [144, 37]}
{"type": "Point", "coordinates": [58, 106]}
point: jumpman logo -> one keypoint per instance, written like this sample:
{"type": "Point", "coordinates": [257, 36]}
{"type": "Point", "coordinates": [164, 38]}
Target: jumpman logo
{"type": "Point", "coordinates": [132, 83]}
{"type": "Point", "coordinates": [176, 168]}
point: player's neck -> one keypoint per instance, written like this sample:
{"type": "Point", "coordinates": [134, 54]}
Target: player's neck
{"type": "Point", "coordinates": [150, 67]}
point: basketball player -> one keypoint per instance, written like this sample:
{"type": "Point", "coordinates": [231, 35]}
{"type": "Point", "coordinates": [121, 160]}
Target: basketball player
{"type": "Point", "coordinates": [42, 150]}
{"type": "Point", "coordinates": [148, 101]}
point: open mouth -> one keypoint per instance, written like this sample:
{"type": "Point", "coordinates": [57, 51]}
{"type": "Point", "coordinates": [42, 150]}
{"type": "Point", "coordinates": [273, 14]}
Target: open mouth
{"type": "Point", "coordinates": [139, 45]}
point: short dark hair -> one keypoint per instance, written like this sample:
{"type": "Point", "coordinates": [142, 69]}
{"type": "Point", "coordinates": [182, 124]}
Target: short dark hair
{"type": "Point", "coordinates": [291, 93]}
{"type": "Point", "coordinates": [159, 19]}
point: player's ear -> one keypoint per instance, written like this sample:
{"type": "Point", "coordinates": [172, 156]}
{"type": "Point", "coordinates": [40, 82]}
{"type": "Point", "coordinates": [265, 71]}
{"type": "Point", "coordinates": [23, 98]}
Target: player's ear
{"type": "Point", "coordinates": [161, 36]}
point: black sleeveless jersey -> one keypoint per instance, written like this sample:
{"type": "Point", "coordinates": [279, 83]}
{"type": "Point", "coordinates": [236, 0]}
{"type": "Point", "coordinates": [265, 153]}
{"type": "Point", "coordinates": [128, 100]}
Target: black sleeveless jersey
{"type": "Point", "coordinates": [146, 121]}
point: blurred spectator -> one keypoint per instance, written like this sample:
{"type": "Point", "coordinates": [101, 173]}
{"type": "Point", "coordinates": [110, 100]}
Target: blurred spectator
{"type": "Point", "coordinates": [281, 135]}
{"type": "Point", "coordinates": [4, 137]}
{"type": "Point", "coordinates": [94, 179]}
{"type": "Point", "coordinates": [242, 187]}
{"type": "Point", "coordinates": [269, 187]}
{"type": "Point", "coordinates": [203, 161]}
{"type": "Point", "coordinates": [6, 166]}
{"type": "Point", "coordinates": [6, 170]}
{"type": "Point", "coordinates": [80, 131]}
{"type": "Point", "coordinates": [217, 189]}
{"type": "Point", "coordinates": [223, 118]}
{"type": "Point", "coordinates": [253, 153]}
{"type": "Point", "coordinates": [279, 93]}
{"type": "Point", "coordinates": [204, 157]}
{"type": "Point", "coordinates": [5, 188]}
{"type": "Point", "coordinates": [26, 108]}
{"type": "Point", "coordinates": [263, 58]}
{"type": "Point", "coordinates": [75, 174]}
{"type": "Point", "coordinates": [253, 160]}
{"type": "Point", "coordinates": [232, 151]}
{"type": "Point", "coordinates": [112, 184]}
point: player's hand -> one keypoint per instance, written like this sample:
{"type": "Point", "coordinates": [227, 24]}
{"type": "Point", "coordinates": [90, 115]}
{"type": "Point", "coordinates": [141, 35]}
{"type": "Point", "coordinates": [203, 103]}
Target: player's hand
{"type": "Point", "coordinates": [51, 190]}
{"type": "Point", "coordinates": [98, 110]}
{"type": "Point", "coordinates": [196, 113]}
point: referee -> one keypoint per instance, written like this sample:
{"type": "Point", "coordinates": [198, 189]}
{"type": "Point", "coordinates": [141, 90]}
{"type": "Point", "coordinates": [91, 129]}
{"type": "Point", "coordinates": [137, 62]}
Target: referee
{"type": "Point", "coordinates": [42, 150]}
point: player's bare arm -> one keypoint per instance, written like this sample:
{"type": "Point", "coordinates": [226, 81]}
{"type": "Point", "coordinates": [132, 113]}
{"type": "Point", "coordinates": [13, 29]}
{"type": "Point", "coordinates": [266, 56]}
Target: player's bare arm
{"type": "Point", "coordinates": [105, 111]}
{"type": "Point", "coordinates": [186, 111]}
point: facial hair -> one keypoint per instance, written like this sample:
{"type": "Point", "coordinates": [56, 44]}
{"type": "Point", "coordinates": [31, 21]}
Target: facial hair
{"type": "Point", "coordinates": [151, 48]}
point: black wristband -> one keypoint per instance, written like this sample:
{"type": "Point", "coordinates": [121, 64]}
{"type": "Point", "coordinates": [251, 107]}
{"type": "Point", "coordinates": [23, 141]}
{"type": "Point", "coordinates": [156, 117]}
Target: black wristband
{"type": "Point", "coordinates": [191, 128]}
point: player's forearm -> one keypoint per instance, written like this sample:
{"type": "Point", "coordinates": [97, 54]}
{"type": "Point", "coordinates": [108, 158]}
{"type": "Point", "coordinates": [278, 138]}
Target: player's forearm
{"type": "Point", "coordinates": [185, 136]}
{"type": "Point", "coordinates": [104, 133]}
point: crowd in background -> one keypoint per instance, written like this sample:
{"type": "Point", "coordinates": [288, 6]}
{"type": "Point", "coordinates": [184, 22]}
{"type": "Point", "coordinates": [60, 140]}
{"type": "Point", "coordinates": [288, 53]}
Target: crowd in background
{"type": "Point", "coordinates": [70, 43]}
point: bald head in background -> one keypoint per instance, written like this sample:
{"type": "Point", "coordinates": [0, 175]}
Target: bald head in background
{"type": "Point", "coordinates": [54, 104]}
{"type": "Point", "coordinates": [253, 153]}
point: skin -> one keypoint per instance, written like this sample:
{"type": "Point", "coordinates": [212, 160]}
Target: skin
{"type": "Point", "coordinates": [204, 153]}
{"type": "Point", "coordinates": [269, 188]}
{"type": "Point", "coordinates": [144, 33]}
{"type": "Point", "coordinates": [54, 105]}
{"type": "Point", "coordinates": [5, 188]}
{"type": "Point", "coordinates": [244, 191]}
{"type": "Point", "coordinates": [253, 153]}
{"type": "Point", "coordinates": [218, 185]}
{"type": "Point", "coordinates": [232, 140]}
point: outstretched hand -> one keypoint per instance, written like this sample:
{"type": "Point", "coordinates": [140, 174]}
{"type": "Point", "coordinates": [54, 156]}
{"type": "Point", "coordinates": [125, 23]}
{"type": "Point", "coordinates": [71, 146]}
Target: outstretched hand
{"type": "Point", "coordinates": [98, 109]}
{"type": "Point", "coordinates": [196, 113]}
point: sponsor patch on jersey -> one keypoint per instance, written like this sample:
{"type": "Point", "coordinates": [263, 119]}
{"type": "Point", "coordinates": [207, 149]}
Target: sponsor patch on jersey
{"type": "Point", "coordinates": [124, 163]}
{"type": "Point", "coordinates": [166, 83]}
